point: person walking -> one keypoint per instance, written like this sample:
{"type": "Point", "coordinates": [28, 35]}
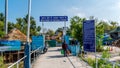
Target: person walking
{"type": "Point", "coordinates": [64, 47]}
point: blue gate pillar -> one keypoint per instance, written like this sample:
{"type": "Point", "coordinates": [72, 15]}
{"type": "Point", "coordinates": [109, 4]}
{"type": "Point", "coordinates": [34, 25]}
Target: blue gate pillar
{"type": "Point", "coordinates": [27, 61]}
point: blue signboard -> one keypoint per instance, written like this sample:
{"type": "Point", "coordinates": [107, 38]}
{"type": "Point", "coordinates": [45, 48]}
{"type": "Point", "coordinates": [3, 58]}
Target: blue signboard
{"type": "Point", "coordinates": [37, 41]}
{"type": "Point", "coordinates": [89, 35]}
{"type": "Point", "coordinates": [13, 45]}
{"type": "Point", "coordinates": [53, 18]}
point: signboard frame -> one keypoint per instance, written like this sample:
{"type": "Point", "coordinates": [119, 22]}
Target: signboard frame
{"type": "Point", "coordinates": [53, 18]}
{"type": "Point", "coordinates": [89, 34]}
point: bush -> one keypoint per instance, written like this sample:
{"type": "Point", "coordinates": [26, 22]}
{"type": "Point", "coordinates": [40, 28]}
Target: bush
{"type": "Point", "coordinates": [2, 65]}
{"type": "Point", "coordinates": [90, 61]}
{"type": "Point", "coordinates": [105, 54]}
{"type": "Point", "coordinates": [101, 63]}
{"type": "Point", "coordinates": [99, 48]}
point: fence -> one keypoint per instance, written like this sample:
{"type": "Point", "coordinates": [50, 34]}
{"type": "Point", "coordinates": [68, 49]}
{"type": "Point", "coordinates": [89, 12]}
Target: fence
{"type": "Point", "coordinates": [35, 54]}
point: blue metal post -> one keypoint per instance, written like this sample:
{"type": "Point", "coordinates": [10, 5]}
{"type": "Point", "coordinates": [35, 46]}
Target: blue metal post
{"type": "Point", "coordinates": [27, 60]}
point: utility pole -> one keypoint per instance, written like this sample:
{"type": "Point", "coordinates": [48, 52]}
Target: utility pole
{"type": "Point", "coordinates": [27, 63]}
{"type": "Point", "coordinates": [6, 15]}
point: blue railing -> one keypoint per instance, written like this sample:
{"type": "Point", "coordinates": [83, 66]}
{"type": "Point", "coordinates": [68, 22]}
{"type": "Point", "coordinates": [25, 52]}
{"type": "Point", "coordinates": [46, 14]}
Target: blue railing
{"type": "Point", "coordinates": [37, 51]}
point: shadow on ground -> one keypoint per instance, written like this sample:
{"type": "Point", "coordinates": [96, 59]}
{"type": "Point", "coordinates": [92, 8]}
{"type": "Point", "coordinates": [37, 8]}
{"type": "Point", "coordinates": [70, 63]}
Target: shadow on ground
{"type": "Point", "coordinates": [54, 50]}
{"type": "Point", "coordinates": [56, 56]}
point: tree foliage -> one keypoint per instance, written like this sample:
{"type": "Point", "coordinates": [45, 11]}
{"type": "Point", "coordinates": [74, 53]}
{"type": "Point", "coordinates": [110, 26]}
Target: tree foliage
{"type": "Point", "coordinates": [76, 28]}
{"type": "Point", "coordinates": [113, 25]}
{"type": "Point", "coordinates": [2, 17]}
{"type": "Point", "coordinates": [1, 29]}
{"type": "Point", "coordinates": [102, 27]}
{"type": "Point", "coordinates": [2, 25]}
{"type": "Point", "coordinates": [50, 32]}
{"type": "Point", "coordinates": [21, 24]}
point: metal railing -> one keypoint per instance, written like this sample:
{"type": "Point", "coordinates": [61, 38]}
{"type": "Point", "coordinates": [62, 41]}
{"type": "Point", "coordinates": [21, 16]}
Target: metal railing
{"type": "Point", "coordinates": [17, 63]}
{"type": "Point", "coordinates": [37, 51]}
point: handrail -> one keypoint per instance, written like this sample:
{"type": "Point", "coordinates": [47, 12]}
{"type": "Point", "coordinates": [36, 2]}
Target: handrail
{"type": "Point", "coordinates": [17, 62]}
{"type": "Point", "coordinates": [36, 50]}
{"type": "Point", "coordinates": [23, 57]}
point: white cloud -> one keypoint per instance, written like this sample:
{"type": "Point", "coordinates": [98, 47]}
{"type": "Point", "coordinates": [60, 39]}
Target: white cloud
{"type": "Point", "coordinates": [117, 5]}
{"type": "Point", "coordinates": [74, 11]}
{"type": "Point", "coordinates": [105, 20]}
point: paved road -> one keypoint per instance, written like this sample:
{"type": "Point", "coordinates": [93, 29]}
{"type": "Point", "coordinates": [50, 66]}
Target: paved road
{"type": "Point", "coordinates": [54, 59]}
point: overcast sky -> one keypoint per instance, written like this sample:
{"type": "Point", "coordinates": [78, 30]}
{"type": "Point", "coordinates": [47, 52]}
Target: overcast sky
{"type": "Point", "coordinates": [101, 9]}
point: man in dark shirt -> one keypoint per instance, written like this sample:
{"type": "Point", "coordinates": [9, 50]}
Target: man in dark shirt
{"type": "Point", "coordinates": [64, 47]}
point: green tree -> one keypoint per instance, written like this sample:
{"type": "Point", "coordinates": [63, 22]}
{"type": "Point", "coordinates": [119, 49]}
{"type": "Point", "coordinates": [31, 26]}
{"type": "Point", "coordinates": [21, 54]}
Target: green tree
{"type": "Point", "coordinates": [10, 26]}
{"type": "Point", "coordinates": [2, 33]}
{"type": "Point", "coordinates": [21, 24]}
{"type": "Point", "coordinates": [50, 32]}
{"type": "Point", "coordinates": [76, 28]}
{"type": "Point", "coordinates": [34, 30]}
{"type": "Point", "coordinates": [2, 17]}
{"type": "Point", "coordinates": [113, 25]}
{"type": "Point", "coordinates": [38, 28]}
{"type": "Point", "coordinates": [99, 28]}
{"type": "Point", "coordinates": [59, 30]}
{"type": "Point", "coordinates": [2, 25]}
{"type": "Point", "coordinates": [2, 65]}
{"type": "Point", "coordinates": [68, 32]}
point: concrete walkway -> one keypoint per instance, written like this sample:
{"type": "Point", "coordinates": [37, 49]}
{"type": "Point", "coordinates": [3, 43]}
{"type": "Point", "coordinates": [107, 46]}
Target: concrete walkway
{"type": "Point", "coordinates": [54, 59]}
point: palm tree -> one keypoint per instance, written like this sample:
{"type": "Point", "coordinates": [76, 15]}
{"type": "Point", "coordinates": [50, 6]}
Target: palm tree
{"type": "Point", "coordinates": [114, 24]}
{"type": "Point", "coordinates": [2, 17]}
